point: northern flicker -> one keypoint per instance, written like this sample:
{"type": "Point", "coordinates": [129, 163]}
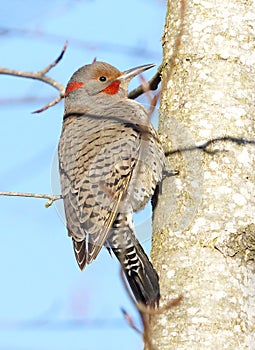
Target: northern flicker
{"type": "Point", "coordinates": [110, 161]}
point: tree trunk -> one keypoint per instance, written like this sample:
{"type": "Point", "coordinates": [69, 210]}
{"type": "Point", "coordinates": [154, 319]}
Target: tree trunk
{"type": "Point", "coordinates": [204, 232]}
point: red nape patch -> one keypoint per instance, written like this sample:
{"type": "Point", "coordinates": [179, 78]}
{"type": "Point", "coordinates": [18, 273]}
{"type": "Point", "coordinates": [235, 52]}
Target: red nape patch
{"type": "Point", "coordinates": [75, 85]}
{"type": "Point", "coordinates": [113, 88]}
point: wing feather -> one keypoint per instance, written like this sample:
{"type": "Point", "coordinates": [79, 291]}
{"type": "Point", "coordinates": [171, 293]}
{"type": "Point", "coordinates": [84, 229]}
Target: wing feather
{"type": "Point", "coordinates": [96, 163]}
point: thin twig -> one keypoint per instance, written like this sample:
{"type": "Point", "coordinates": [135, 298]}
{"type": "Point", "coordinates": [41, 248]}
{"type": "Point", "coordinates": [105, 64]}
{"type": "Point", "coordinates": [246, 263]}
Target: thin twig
{"type": "Point", "coordinates": [59, 58]}
{"type": "Point", "coordinates": [154, 102]}
{"type": "Point", "coordinates": [50, 104]}
{"type": "Point", "coordinates": [51, 198]}
{"type": "Point", "coordinates": [41, 75]}
{"type": "Point", "coordinates": [130, 321]}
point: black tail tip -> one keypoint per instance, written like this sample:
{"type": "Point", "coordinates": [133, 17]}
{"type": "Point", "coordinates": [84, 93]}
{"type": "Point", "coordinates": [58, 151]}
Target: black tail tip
{"type": "Point", "coordinates": [146, 291]}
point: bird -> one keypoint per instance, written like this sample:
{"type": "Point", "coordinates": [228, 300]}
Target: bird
{"type": "Point", "coordinates": [110, 162]}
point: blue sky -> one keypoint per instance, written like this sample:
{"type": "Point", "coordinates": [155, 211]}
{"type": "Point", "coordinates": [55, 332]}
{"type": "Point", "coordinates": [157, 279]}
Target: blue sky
{"type": "Point", "coordinates": [46, 302]}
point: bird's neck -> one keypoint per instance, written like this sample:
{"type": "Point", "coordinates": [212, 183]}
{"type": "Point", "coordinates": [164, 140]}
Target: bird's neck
{"type": "Point", "coordinates": [90, 105]}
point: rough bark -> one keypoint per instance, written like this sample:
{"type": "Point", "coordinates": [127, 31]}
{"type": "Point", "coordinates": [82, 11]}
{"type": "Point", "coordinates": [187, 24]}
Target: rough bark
{"type": "Point", "coordinates": [204, 232]}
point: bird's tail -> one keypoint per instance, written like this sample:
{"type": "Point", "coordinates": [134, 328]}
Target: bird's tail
{"type": "Point", "coordinates": [141, 276]}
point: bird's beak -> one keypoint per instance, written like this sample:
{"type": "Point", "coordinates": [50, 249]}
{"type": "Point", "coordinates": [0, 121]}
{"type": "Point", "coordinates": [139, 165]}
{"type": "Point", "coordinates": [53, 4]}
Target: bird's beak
{"type": "Point", "coordinates": [131, 73]}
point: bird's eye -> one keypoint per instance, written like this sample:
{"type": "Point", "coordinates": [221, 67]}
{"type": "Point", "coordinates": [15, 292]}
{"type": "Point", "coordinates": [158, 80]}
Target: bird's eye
{"type": "Point", "coordinates": [102, 78]}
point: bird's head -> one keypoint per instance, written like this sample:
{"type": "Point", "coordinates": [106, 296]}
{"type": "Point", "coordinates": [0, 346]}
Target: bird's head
{"type": "Point", "coordinates": [98, 82]}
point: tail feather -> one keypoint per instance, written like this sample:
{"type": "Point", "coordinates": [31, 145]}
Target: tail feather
{"type": "Point", "coordinates": [140, 274]}
{"type": "Point", "coordinates": [80, 252]}
{"type": "Point", "coordinates": [142, 277]}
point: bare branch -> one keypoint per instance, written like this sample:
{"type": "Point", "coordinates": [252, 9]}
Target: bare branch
{"type": "Point", "coordinates": [152, 84]}
{"type": "Point", "coordinates": [40, 75]}
{"type": "Point", "coordinates": [145, 312]}
{"type": "Point", "coordinates": [51, 198]}
{"type": "Point", "coordinates": [146, 332]}
{"type": "Point", "coordinates": [33, 75]}
{"type": "Point", "coordinates": [150, 311]}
